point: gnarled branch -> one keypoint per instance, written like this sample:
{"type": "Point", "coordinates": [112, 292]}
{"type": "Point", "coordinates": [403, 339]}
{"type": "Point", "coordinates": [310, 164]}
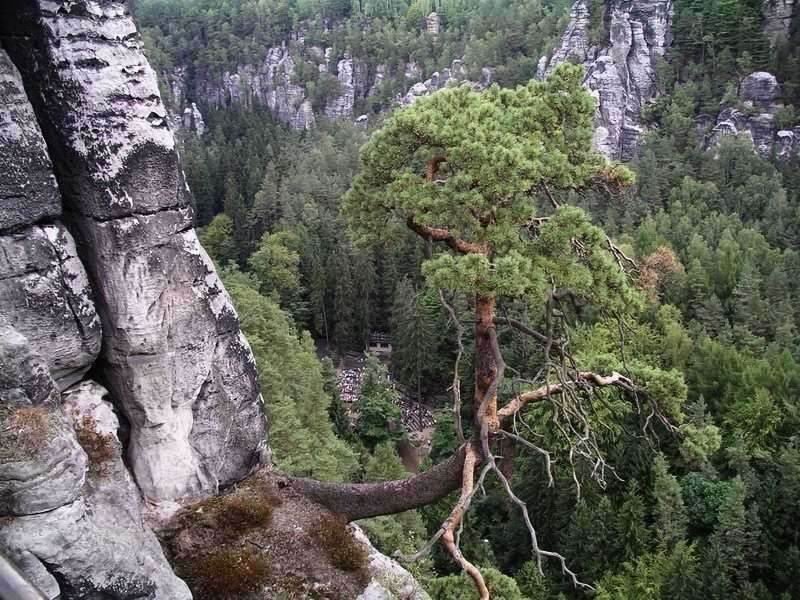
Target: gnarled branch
{"type": "Point", "coordinates": [440, 234]}
{"type": "Point", "coordinates": [585, 377]}
{"type": "Point", "coordinates": [363, 500]}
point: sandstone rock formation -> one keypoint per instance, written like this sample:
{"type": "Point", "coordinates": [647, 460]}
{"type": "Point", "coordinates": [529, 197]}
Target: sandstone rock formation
{"type": "Point", "coordinates": [621, 71]}
{"type": "Point", "coordinates": [755, 118]}
{"type": "Point", "coordinates": [44, 290]}
{"type": "Point", "coordinates": [271, 84]}
{"type": "Point", "coordinates": [173, 354]}
{"type": "Point", "coordinates": [76, 532]}
{"type": "Point", "coordinates": [389, 581]}
{"type": "Point", "coordinates": [778, 18]}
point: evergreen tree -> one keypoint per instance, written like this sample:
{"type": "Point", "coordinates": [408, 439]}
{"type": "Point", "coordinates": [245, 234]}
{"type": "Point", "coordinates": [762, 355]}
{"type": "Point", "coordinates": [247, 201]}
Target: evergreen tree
{"type": "Point", "coordinates": [218, 240]}
{"type": "Point", "coordinates": [378, 411]}
{"type": "Point", "coordinates": [301, 434]}
{"type": "Point", "coordinates": [669, 511]}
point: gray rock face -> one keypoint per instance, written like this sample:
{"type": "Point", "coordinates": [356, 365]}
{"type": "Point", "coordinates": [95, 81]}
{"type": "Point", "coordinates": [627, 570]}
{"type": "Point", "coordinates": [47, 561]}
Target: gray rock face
{"type": "Point", "coordinates": [46, 296]}
{"type": "Point", "coordinates": [44, 291]}
{"type": "Point", "coordinates": [455, 75]}
{"type": "Point", "coordinates": [72, 520]}
{"type": "Point", "coordinates": [778, 18]}
{"type": "Point", "coordinates": [388, 579]}
{"type": "Point", "coordinates": [621, 73]}
{"type": "Point", "coordinates": [754, 119]}
{"type": "Point", "coordinates": [760, 88]}
{"type": "Point", "coordinates": [28, 191]}
{"type": "Point", "coordinates": [192, 120]}
{"type": "Point", "coordinates": [269, 84]}
{"type": "Point", "coordinates": [178, 365]}
{"type": "Point", "coordinates": [42, 464]}
{"type": "Point", "coordinates": [24, 374]}
{"type": "Point", "coordinates": [352, 78]}
{"type": "Point", "coordinates": [91, 544]}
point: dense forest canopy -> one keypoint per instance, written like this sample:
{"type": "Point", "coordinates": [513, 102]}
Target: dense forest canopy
{"type": "Point", "coordinates": [703, 505]}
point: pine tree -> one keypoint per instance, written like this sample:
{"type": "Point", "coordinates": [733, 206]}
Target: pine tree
{"type": "Point", "coordinates": [379, 418]}
{"type": "Point", "coordinates": [266, 210]}
{"type": "Point", "coordinates": [731, 546]}
{"type": "Point", "coordinates": [344, 318]}
{"type": "Point", "coordinates": [413, 337]}
{"type": "Point", "coordinates": [669, 511]}
{"type": "Point", "coordinates": [218, 240]}
{"type": "Point", "coordinates": [749, 309]}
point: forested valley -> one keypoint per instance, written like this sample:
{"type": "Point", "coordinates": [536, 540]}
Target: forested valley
{"type": "Point", "coordinates": [683, 485]}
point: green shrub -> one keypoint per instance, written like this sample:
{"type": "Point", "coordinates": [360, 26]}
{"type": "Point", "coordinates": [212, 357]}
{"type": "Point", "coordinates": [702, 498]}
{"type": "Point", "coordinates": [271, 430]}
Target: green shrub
{"type": "Point", "coordinates": [461, 587]}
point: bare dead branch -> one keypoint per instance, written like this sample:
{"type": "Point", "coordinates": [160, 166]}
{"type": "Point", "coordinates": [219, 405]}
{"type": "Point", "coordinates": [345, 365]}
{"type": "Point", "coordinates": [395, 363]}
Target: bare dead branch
{"type": "Point", "coordinates": [456, 377]}
{"type": "Point", "coordinates": [522, 328]}
{"type": "Point", "coordinates": [537, 551]}
{"type": "Point", "coordinates": [550, 197]}
{"type": "Point", "coordinates": [455, 519]}
{"type": "Point", "coordinates": [621, 258]}
{"type": "Point", "coordinates": [547, 457]}
{"type": "Point", "coordinates": [552, 389]}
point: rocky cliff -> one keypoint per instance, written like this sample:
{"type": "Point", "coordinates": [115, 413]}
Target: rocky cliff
{"type": "Point", "coordinates": [619, 43]}
{"type": "Point", "coordinates": [127, 389]}
{"type": "Point", "coordinates": [271, 83]}
{"type": "Point", "coordinates": [754, 117]}
{"type": "Point", "coordinates": [778, 17]}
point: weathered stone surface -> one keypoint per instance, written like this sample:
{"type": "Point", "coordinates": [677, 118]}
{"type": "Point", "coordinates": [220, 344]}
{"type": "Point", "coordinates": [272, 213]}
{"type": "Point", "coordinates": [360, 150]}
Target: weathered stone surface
{"type": "Point", "coordinates": [44, 290]}
{"type": "Point", "coordinates": [25, 378]}
{"type": "Point", "coordinates": [171, 336]}
{"type": "Point", "coordinates": [96, 545]}
{"type": "Point", "coordinates": [621, 72]}
{"type": "Point", "coordinates": [455, 75]}
{"type": "Point", "coordinates": [37, 573]}
{"type": "Point", "coordinates": [350, 75]}
{"type": "Point", "coordinates": [41, 465]}
{"type": "Point", "coordinates": [760, 88]}
{"type": "Point", "coordinates": [270, 84]}
{"type": "Point", "coordinates": [45, 295]}
{"type": "Point", "coordinates": [192, 120]}
{"type": "Point", "coordinates": [754, 119]}
{"type": "Point", "coordinates": [778, 18]}
{"type": "Point", "coordinates": [388, 580]}
{"type": "Point", "coordinates": [28, 191]}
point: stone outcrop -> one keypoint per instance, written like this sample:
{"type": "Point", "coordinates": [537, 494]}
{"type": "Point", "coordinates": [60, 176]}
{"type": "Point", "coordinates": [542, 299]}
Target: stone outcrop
{"type": "Point", "coordinates": [754, 117]}
{"type": "Point", "coordinates": [97, 245]}
{"type": "Point", "coordinates": [388, 579]}
{"type": "Point", "coordinates": [77, 532]}
{"type": "Point", "coordinates": [778, 18]}
{"type": "Point", "coordinates": [455, 75]}
{"type": "Point", "coordinates": [268, 84]}
{"type": "Point", "coordinates": [72, 515]}
{"type": "Point", "coordinates": [173, 354]}
{"type": "Point", "coordinates": [271, 84]}
{"type": "Point", "coordinates": [44, 290]}
{"type": "Point", "coordinates": [621, 71]}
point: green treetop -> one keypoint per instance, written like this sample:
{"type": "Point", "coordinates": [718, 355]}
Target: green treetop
{"type": "Point", "coordinates": [465, 168]}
